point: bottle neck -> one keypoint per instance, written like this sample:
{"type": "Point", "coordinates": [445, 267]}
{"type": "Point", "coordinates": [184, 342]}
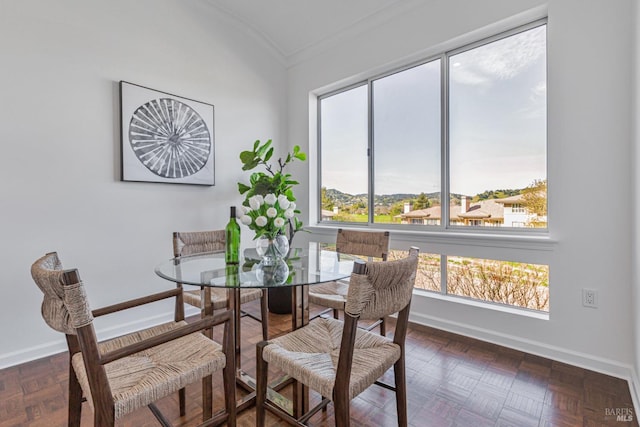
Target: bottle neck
{"type": "Point", "coordinates": [233, 212]}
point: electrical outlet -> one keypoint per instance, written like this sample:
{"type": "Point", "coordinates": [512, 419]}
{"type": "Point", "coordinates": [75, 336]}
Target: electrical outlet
{"type": "Point", "coordinates": [590, 298]}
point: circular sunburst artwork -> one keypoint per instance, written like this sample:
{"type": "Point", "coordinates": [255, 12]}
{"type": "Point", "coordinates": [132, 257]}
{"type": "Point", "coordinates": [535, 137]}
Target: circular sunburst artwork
{"type": "Point", "coordinates": [170, 138]}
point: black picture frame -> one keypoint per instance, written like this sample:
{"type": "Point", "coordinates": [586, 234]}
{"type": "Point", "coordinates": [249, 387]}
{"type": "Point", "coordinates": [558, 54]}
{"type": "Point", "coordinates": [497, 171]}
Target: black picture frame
{"type": "Point", "coordinates": [165, 138]}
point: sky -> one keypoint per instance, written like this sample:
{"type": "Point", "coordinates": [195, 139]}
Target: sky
{"type": "Point", "coordinates": [497, 124]}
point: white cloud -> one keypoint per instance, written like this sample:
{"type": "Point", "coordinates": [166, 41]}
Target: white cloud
{"type": "Point", "coordinates": [501, 60]}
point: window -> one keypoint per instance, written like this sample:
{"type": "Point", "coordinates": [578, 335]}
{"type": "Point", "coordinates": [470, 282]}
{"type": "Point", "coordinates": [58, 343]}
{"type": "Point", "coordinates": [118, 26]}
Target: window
{"type": "Point", "coordinates": [406, 141]}
{"type": "Point", "coordinates": [469, 124]}
{"type": "Point", "coordinates": [497, 122]}
{"type": "Point", "coordinates": [343, 157]}
{"type": "Point", "coordinates": [516, 284]}
{"type": "Point", "coordinates": [455, 142]}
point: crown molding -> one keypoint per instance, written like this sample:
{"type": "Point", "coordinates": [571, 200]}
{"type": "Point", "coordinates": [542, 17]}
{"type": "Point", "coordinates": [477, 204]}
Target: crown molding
{"type": "Point", "coordinates": [312, 49]}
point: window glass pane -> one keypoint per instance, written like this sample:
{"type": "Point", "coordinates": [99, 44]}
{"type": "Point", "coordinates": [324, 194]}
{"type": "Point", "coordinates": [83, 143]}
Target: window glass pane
{"type": "Point", "coordinates": [406, 146]}
{"type": "Point", "coordinates": [497, 133]}
{"type": "Point", "coordinates": [428, 274]}
{"type": "Point", "coordinates": [344, 143]}
{"type": "Point", "coordinates": [513, 283]}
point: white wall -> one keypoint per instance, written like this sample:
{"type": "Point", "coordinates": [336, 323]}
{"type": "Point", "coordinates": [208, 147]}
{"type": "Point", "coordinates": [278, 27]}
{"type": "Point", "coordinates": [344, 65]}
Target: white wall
{"type": "Point", "coordinates": [59, 133]}
{"type": "Point", "coordinates": [589, 167]}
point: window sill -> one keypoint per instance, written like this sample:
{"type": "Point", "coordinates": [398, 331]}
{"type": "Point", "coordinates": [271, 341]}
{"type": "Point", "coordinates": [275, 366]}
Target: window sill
{"type": "Point", "coordinates": [485, 305]}
{"type": "Point", "coordinates": [540, 241]}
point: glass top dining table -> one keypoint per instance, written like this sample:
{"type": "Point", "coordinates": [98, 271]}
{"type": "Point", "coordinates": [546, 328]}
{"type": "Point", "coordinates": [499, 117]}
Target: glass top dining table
{"type": "Point", "coordinates": [304, 266]}
{"type": "Point", "coordinates": [309, 265]}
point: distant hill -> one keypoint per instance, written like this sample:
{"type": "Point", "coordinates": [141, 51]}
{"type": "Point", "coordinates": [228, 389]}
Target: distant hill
{"type": "Point", "coordinates": [390, 199]}
{"type": "Point", "coordinates": [344, 199]}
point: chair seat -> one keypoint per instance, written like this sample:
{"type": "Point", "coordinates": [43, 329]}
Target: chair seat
{"type": "Point", "coordinates": [144, 377]}
{"type": "Point", "coordinates": [310, 355]}
{"type": "Point", "coordinates": [330, 294]}
{"type": "Point", "coordinates": [219, 297]}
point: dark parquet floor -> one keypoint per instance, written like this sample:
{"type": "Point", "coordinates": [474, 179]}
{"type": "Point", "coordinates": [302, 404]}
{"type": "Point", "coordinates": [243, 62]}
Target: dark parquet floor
{"type": "Point", "coordinates": [451, 380]}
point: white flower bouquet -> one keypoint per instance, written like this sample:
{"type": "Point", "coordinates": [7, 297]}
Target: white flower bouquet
{"type": "Point", "coordinates": [269, 207]}
{"type": "Point", "coordinates": [268, 215]}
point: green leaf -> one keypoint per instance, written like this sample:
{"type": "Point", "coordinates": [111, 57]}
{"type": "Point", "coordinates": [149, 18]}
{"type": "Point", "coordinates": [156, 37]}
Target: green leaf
{"type": "Point", "coordinates": [296, 149]}
{"type": "Point", "coordinates": [251, 165]}
{"type": "Point", "coordinates": [255, 145]}
{"type": "Point", "coordinates": [263, 149]}
{"type": "Point", "coordinates": [262, 187]}
{"type": "Point", "coordinates": [300, 156]}
{"type": "Point", "coordinates": [255, 177]}
{"type": "Point", "coordinates": [269, 154]}
{"type": "Point", "coordinates": [243, 188]}
{"type": "Point", "coordinates": [247, 156]}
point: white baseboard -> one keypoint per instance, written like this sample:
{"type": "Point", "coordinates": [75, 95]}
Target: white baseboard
{"type": "Point", "coordinates": [32, 353]}
{"type": "Point", "coordinates": [583, 360]}
{"type": "Point", "coordinates": [59, 346]}
{"type": "Point", "coordinates": [634, 389]}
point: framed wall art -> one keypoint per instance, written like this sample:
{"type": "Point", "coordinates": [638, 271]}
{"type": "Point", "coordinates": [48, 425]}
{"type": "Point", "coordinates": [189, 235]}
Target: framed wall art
{"type": "Point", "coordinates": [165, 138]}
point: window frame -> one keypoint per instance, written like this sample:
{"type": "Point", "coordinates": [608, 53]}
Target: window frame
{"type": "Point", "coordinates": [446, 225]}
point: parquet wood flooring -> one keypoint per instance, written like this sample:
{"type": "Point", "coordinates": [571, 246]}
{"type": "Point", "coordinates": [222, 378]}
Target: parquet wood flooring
{"type": "Point", "coordinates": [451, 380]}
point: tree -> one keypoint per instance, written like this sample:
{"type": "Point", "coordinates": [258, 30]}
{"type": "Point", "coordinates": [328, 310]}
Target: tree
{"type": "Point", "coordinates": [396, 209]}
{"type": "Point", "coordinates": [535, 198]}
{"type": "Point", "coordinates": [327, 203]}
{"type": "Point", "coordinates": [421, 202]}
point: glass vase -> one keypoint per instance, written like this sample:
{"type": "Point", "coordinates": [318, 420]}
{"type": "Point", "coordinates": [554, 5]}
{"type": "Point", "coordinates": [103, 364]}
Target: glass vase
{"type": "Point", "coordinates": [273, 274]}
{"type": "Point", "coordinates": [272, 249]}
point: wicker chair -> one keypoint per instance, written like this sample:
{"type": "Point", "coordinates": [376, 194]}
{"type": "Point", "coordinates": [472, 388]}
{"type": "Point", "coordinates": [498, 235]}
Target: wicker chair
{"type": "Point", "coordinates": [339, 360]}
{"type": "Point", "coordinates": [333, 295]}
{"type": "Point", "coordinates": [194, 242]}
{"type": "Point", "coordinates": [124, 374]}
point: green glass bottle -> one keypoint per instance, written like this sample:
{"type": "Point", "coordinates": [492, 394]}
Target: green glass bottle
{"type": "Point", "coordinates": [232, 229]}
{"type": "Point", "coordinates": [232, 272]}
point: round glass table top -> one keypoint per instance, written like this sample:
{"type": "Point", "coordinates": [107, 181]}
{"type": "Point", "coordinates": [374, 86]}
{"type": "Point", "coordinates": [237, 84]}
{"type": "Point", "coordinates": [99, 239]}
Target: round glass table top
{"type": "Point", "coordinates": [303, 266]}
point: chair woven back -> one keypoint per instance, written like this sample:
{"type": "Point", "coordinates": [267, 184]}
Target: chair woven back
{"type": "Point", "coordinates": [196, 242]}
{"type": "Point", "coordinates": [373, 244]}
{"type": "Point", "coordinates": [384, 289]}
{"type": "Point", "coordinates": [64, 308]}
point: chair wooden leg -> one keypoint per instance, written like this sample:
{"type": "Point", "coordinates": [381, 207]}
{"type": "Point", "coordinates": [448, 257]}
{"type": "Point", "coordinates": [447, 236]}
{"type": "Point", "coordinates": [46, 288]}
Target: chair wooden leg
{"type": "Point", "coordinates": [229, 385]}
{"type": "Point", "coordinates": [341, 408]}
{"type": "Point", "coordinates": [262, 369]}
{"type": "Point", "coordinates": [75, 398]}
{"type": "Point", "coordinates": [265, 314]}
{"type": "Point", "coordinates": [336, 314]}
{"type": "Point", "coordinates": [103, 420]}
{"type": "Point", "coordinates": [401, 391]}
{"type": "Point", "coordinates": [229, 373]}
{"type": "Point", "coordinates": [75, 391]}
{"type": "Point", "coordinates": [207, 397]}
{"type": "Point", "coordinates": [183, 399]}
{"type": "Point", "coordinates": [383, 326]}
